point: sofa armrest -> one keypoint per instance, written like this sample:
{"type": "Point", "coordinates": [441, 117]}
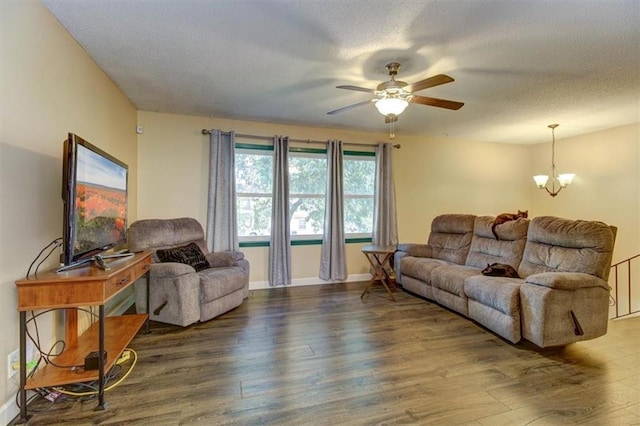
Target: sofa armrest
{"type": "Point", "coordinates": [416, 250]}
{"type": "Point", "coordinates": [170, 270]}
{"type": "Point", "coordinates": [224, 258]}
{"type": "Point", "coordinates": [566, 280]}
{"type": "Point", "coordinates": [244, 264]}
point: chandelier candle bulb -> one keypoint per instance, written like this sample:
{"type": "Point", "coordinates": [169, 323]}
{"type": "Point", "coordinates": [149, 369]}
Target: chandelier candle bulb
{"type": "Point", "coordinates": [566, 178]}
{"type": "Point", "coordinates": [541, 180]}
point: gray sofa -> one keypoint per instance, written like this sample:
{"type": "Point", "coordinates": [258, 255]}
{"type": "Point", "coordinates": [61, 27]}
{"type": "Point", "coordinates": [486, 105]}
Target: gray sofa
{"type": "Point", "coordinates": [562, 295]}
{"type": "Point", "coordinates": [178, 294]}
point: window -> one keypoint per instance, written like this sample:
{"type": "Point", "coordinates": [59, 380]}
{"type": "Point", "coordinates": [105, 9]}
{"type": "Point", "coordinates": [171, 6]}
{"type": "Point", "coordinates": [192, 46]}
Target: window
{"type": "Point", "coordinates": [307, 192]}
{"type": "Point", "coordinates": [359, 183]}
{"type": "Point", "coordinates": [254, 177]}
{"type": "Point", "coordinates": [307, 186]}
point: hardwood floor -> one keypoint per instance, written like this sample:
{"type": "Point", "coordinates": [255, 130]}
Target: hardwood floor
{"type": "Point", "coordinates": [322, 356]}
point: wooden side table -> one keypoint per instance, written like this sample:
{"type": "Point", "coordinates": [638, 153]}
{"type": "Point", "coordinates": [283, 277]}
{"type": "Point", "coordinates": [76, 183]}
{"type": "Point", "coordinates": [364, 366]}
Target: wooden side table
{"type": "Point", "coordinates": [71, 289]}
{"type": "Point", "coordinates": [379, 257]}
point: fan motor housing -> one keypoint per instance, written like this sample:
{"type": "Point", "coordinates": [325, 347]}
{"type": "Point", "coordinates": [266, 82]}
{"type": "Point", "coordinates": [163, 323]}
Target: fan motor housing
{"type": "Point", "coordinates": [391, 86]}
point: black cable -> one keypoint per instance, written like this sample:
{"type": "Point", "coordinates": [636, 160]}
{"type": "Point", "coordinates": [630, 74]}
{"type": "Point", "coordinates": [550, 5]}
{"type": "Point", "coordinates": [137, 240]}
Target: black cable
{"type": "Point", "coordinates": [79, 387]}
{"type": "Point", "coordinates": [57, 242]}
{"type": "Point", "coordinates": [48, 355]}
{"type": "Point", "coordinates": [31, 398]}
{"type": "Point", "coordinates": [45, 258]}
{"type": "Point", "coordinates": [45, 356]}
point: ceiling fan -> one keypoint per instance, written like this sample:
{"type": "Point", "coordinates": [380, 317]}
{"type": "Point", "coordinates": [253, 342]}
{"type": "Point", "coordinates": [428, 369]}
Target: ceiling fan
{"type": "Point", "coordinates": [393, 96]}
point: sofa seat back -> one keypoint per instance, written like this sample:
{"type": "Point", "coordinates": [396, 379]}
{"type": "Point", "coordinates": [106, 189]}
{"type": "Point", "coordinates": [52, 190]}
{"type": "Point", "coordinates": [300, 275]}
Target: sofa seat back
{"type": "Point", "coordinates": [160, 234]}
{"type": "Point", "coordinates": [485, 249]}
{"type": "Point", "coordinates": [450, 237]}
{"type": "Point", "coordinates": [562, 245]}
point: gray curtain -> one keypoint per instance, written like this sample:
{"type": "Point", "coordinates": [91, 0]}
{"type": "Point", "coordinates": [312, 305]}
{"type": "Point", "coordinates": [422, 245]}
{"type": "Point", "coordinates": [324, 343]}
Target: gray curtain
{"type": "Point", "coordinates": [385, 226]}
{"type": "Point", "coordinates": [222, 232]}
{"type": "Point", "coordinates": [333, 261]}
{"type": "Point", "coordinates": [280, 246]}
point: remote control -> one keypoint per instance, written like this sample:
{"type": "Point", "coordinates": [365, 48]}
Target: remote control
{"type": "Point", "coordinates": [100, 262]}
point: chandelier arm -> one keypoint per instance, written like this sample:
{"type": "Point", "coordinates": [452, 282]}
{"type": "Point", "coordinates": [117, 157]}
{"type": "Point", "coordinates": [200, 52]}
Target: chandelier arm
{"type": "Point", "coordinates": [554, 192]}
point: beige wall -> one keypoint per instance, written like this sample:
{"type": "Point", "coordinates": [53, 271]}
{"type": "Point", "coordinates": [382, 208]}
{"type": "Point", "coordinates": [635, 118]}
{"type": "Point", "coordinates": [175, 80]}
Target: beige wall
{"type": "Point", "coordinates": [606, 186]}
{"type": "Point", "coordinates": [49, 87]}
{"type": "Point", "coordinates": [173, 164]}
{"type": "Point", "coordinates": [441, 175]}
{"type": "Point", "coordinates": [432, 175]}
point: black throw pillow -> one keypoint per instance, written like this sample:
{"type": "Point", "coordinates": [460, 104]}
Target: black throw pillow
{"type": "Point", "coordinates": [189, 254]}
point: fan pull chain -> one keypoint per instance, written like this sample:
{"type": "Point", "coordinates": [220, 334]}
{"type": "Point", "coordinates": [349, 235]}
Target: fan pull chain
{"type": "Point", "coordinates": [392, 132]}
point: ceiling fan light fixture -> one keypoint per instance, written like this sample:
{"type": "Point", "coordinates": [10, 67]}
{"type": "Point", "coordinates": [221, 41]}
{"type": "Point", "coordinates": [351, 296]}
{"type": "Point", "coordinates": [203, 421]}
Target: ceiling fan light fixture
{"type": "Point", "coordinates": [391, 106]}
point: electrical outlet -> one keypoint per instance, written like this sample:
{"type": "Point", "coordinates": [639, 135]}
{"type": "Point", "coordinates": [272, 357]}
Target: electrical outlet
{"type": "Point", "coordinates": [13, 360]}
{"type": "Point", "coordinates": [13, 363]}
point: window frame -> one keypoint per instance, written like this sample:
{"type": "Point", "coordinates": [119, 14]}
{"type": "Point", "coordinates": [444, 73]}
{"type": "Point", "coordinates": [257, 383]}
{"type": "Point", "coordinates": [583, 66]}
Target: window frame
{"type": "Point", "coordinates": [306, 239]}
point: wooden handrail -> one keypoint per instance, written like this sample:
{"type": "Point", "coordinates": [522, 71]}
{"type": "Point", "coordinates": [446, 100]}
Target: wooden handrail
{"type": "Point", "coordinates": [626, 260]}
{"type": "Point", "coordinates": [629, 298]}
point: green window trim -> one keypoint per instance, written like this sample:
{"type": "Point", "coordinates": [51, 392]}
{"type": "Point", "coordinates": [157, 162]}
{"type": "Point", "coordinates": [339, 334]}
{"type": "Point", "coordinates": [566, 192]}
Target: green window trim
{"type": "Point", "coordinates": [310, 242]}
{"type": "Point", "coordinates": [254, 146]}
{"type": "Point", "coordinates": [307, 150]}
{"type": "Point", "coordinates": [360, 153]}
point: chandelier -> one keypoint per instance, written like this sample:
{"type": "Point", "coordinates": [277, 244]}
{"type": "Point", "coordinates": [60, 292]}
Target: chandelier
{"type": "Point", "coordinates": [562, 180]}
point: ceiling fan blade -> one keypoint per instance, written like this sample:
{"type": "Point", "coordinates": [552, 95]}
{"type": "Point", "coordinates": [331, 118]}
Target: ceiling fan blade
{"type": "Point", "coordinates": [359, 104]}
{"type": "Point", "coordinates": [441, 103]}
{"type": "Point", "coordinates": [390, 119]}
{"type": "Point", "coordinates": [356, 88]}
{"type": "Point", "coordinates": [436, 80]}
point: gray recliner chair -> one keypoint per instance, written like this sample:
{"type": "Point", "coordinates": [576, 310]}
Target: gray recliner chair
{"type": "Point", "coordinates": [180, 293]}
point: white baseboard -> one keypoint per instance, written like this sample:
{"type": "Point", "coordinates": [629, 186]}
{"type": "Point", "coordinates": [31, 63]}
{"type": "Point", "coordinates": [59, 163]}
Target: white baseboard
{"type": "Point", "coordinates": [301, 282]}
{"type": "Point", "coordinates": [8, 411]}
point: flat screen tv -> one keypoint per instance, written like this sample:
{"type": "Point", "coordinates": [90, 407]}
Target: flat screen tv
{"type": "Point", "coordinates": [94, 190]}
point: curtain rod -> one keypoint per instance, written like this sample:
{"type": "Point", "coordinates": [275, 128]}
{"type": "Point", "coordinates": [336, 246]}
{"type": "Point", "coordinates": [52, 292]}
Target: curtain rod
{"type": "Point", "coordinates": [268, 138]}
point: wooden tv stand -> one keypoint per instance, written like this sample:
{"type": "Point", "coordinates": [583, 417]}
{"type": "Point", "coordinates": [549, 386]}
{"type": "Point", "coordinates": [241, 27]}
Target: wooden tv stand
{"type": "Point", "coordinates": [83, 286]}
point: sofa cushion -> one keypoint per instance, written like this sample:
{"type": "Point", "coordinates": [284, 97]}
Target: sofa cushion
{"type": "Point", "coordinates": [218, 282]}
{"type": "Point", "coordinates": [450, 237]}
{"type": "Point", "coordinates": [418, 287]}
{"type": "Point", "coordinates": [485, 249]}
{"type": "Point", "coordinates": [563, 245]}
{"type": "Point", "coordinates": [190, 255]}
{"type": "Point", "coordinates": [499, 293]}
{"type": "Point", "coordinates": [450, 278]}
{"type": "Point", "coordinates": [420, 267]}
{"type": "Point", "coordinates": [448, 286]}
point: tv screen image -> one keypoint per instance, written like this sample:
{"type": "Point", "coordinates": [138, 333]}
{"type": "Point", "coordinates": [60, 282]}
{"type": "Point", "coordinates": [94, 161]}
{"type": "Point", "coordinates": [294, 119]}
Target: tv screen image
{"type": "Point", "coordinates": [101, 201]}
{"type": "Point", "coordinates": [95, 195]}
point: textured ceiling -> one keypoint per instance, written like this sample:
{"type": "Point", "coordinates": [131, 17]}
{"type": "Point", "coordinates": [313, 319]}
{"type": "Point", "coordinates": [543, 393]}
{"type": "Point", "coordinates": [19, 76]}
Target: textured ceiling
{"type": "Point", "coordinates": [518, 65]}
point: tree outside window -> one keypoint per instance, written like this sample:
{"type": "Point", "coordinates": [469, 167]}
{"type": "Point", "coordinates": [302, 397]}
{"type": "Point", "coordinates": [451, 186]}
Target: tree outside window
{"type": "Point", "coordinates": [307, 185]}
